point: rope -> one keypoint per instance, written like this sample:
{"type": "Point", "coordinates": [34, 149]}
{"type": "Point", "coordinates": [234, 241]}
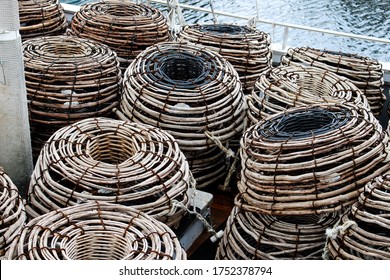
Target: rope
{"type": "Point", "coordinates": [177, 204]}
{"type": "Point", "coordinates": [252, 22]}
{"type": "Point", "coordinates": [332, 233]}
{"type": "Point", "coordinates": [226, 184]}
{"type": "Point", "coordinates": [229, 153]}
{"type": "Point", "coordinates": [175, 17]}
{"type": "Point", "coordinates": [215, 235]}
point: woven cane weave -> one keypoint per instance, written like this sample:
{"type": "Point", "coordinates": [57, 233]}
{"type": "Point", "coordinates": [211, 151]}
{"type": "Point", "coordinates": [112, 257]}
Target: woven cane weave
{"type": "Point", "coordinates": [189, 91]}
{"type": "Point", "coordinates": [114, 161]}
{"type": "Point", "coordinates": [96, 231]}
{"type": "Point", "coordinates": [68, 79]}
{"type": "Point", "coordinates": [41, 18]}
{"type": "Point", "coordinates": [251, 235]}
{"type": "Point", "coordinates": [313, 159]}
{"type": "Point", "coordinates": [12, 212]}
{"type": "Point", "coordinates": [364, 231]}
{"type": "Point", "coordinates": [247, 49]}
{"type": "Point", "coordinates": [127, 28]}
{"type": "Point", "coordinates": [364, 72]}
{"type": "Point", "coordinates": [284, 87]}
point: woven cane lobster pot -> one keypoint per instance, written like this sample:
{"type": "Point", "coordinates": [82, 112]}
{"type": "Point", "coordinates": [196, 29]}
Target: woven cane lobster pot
{"type": "Point", "coordinates": [251, 235]}
{"type": "Point", "coordinates": [68, 79]}
{"type": "Point", "coordinates": [311, 160]}
{"type": "Point", "coordinates": [284, 87]}
{"type": "Point", "coordinates": [12, 212]}
{"type": "Point", "coordinates": [41, 18]}
{"type": "Point", "coordinates": [114, 161]}
{"type": "Point", "coordinates": [96, 231]}
{"type": "Point", "coordinates": [127, 28]}
{"type": "Point", "coordinates": [192, 93]}
{"type": "Point", "coordinates": [364, 72]}
{"type": "Point", "coordinates": [364, 231]}
{"type": "Point", "coordinates": [247, 49]}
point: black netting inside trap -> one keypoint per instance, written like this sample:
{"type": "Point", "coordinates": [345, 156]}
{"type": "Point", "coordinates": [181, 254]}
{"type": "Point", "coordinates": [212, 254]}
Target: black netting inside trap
{"type": "Point", "coordinates": [304, 124]}
{"type": "Point", "coordinates": [225, 29]}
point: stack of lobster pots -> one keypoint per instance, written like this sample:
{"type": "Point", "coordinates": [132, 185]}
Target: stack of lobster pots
{"type": "Point", "coordinates": [102, 188]}
{"type": "Point", "coordinates": [303, 163]}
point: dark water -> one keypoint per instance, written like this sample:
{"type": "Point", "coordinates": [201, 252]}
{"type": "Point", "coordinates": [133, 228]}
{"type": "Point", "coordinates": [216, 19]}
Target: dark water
{"type": "Point", "coordinates": [364, 17]}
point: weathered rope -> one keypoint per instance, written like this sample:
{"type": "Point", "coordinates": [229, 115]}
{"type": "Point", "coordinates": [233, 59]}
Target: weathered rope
{"type": "Point", "coordinates": [332, 233]}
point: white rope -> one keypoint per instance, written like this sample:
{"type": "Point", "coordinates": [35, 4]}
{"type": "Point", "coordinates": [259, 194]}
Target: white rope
{"type": "Point", "coordinates": [387, 150]}
{"type": "Point", "coordinates": [177, 204]}
{"type": "Point", "coordinates": [333, 233]}
{"type": "Point", "coordinates": [175, 17]}
{"type": "Point", "coordinates": [252, 23]}
{"type": "Point", "coordinates": [192, 190]}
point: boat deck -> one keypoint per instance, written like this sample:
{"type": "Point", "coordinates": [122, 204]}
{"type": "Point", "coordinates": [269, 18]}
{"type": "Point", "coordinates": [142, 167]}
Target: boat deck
{"type": "Point", "coordinates": [221, 206]}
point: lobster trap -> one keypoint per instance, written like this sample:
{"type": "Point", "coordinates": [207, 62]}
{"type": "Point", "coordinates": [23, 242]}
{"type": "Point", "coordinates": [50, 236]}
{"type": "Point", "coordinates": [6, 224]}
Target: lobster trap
{"type": "Point", "coordinates": [195, 95]}
{"type": "Point", "coordinates": [364, 72]}
{"type": "Point", "coordinates": [68, 79]}
{"type": "Point", "coordinates": [127, 28]}
{"type": "Point", "coordinates": [114, 161]}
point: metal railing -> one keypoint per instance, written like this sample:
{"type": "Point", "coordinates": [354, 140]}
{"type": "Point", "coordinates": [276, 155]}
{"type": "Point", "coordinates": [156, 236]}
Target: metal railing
{"type": "Point", "coordinates": [278, 48]}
